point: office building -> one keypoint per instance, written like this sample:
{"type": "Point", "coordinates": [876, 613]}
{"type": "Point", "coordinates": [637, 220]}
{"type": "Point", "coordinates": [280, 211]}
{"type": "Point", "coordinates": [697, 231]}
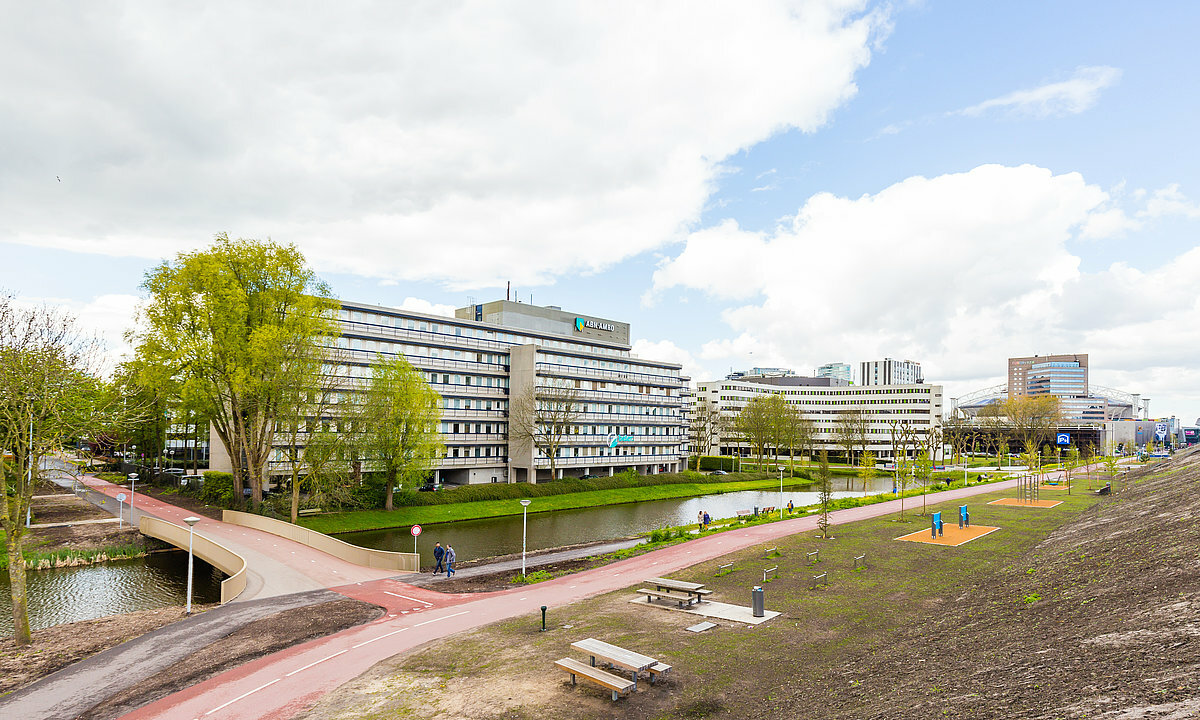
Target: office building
{"type": "Point", "coordinates": [822, 400]}
{"type": "Point", "coordinates": [890, 372]}
{"type": "Point", "coordinates": [841, 371]}
{"type": "Point", "coordinates": [632, 416]}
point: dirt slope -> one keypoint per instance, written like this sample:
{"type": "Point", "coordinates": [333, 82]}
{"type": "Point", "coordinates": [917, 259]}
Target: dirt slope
{"type": "Point", "coordinates": [1102, 621]}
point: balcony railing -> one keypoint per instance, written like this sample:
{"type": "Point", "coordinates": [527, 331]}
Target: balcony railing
{"type": "Point", "coordinates": [628, 376]}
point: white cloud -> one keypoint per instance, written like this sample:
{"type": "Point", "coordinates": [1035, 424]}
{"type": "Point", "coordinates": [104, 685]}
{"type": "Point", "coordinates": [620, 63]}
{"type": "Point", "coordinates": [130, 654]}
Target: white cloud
{"type": "Point", "coordinates": [424, 306]}
{"type": "Point", "coordinates": [1170, 201]}
{"type": "Point", "coordinates": [667, 351]}
{"type": "Point", "coordinates": [463, 142]}
{"type": "Point", "coordinates": [958, 272]}
{"type": "Point", "coordinates": [1067, 97]}
{"type": "Point", "coordinates": [106, 317]}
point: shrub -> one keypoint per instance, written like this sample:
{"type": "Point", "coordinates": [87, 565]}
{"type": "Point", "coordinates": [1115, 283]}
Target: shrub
{"type": "Point", "coordinates": [217, 489]}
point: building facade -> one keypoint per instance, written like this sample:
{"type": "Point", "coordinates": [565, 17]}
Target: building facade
{"type": "Point", "coordinates": [890, 372]}
{"type": "Point", "coordinates": [632, 417]}
{"type": "Point", "coordinates": [841, 371]}
{"type": "Point", "coordinates": [822, 400]}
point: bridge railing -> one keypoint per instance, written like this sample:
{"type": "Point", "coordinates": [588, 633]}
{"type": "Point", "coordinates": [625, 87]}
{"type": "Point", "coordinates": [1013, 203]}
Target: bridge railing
{"type": "Point", "coordinates": [367, 557]}
{"type": "Point", "coordinates": [215, 554]}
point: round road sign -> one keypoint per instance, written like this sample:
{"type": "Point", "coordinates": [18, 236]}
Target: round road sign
{"type": "Point", "coordinates": [416, 530]}
{"type": "Point", "coordinates": [120, 497]}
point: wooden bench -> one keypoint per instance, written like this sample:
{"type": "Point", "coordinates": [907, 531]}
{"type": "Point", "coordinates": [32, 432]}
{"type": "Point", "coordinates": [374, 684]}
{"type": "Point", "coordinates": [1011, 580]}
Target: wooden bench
{"type": "Point", "coordinates": [306, 512]}
{"type": "Point", "coordinates": [618, 685]}
{"type": "Point", "coordinates": [745, 513]}
{"type": "Point", "coordinates": [657, 670]}
{"type": "Point", "coordinates": [681, 598]}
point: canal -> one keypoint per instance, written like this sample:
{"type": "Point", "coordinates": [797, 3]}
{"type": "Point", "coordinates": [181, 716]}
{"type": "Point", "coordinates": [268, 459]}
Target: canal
{"type": "Point", "coordinates": [71, 594]}
{"type": "Point", "coordinates": [489, 537]}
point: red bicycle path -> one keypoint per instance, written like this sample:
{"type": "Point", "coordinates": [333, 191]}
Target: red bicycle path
{"type": "Point", "coordinates": [283, 684]}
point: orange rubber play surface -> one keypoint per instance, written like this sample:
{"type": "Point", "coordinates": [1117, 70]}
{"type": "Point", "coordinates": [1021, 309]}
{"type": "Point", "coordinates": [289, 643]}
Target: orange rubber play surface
{"type": "Point", "coordinates": [952, 535]}
{"type": "Point", "coordinates": [1017, 502]}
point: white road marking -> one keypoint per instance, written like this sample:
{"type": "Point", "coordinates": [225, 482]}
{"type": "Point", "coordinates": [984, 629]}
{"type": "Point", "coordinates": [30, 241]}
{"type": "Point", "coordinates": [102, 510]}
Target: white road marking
{"type": "Point", "coordinates": [243, 695]}
{"type": "Point", "coordinates": [368, 642]}
{"type": "Point", "coordinates": [387, 592]}
{"type": "Point", "coordinates": [444, 617]}
{"type": "Point", "coordinates": [316, 662]}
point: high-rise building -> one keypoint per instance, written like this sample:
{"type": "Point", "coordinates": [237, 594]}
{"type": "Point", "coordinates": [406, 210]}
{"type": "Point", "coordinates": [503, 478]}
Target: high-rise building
{"type": "Point", "coordinates": [890, 372]}
{"type": "Point", "coordinates": [1063, 376]}
{"type": "Point", "coordinates": [841, 371]}
{"type": "Point", "coordinates": [633, 409]}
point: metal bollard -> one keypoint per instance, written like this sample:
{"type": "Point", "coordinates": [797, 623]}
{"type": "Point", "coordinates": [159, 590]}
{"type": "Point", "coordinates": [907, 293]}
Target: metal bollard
{"type": "Point", "coordinates": [756, 602]}
{"type": "Point", "coordinates": [543, 618]}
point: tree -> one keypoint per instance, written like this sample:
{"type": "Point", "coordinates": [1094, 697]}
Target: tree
{"type": "Point", "coordinates": [866, 468]}
{"type": "Point", "coordinates": [757, 424]}
{"type": "Point", "coordinates": [545, 417]}
{"type": "Point", "coordinates": [903, 435]}
{"type": "Point", "coordinates": [996, 426]}
{"type": "Point", "coordinates": [706, 426]}
{"type": "Point", "coordinates": [923, 469]}
{"type": "Point", "coordinates": [850, 428]}
{"type": "Point", "coordinates": [229, 323]}
{"type": "Point", "coordinates": [826, 493]}
{"type": "Point", "coordinates": [796, 432]}
{"type": "Point", "coordinates": [1072, 462]}
{"type": "Point", "coordinates": [398, 418]}
{"type": "Point", "coordinates": [50, 393]}
{"type": "Point", "coordinates": [1031, 418]}
{"type": "Point", "coordinates": [316, 440]}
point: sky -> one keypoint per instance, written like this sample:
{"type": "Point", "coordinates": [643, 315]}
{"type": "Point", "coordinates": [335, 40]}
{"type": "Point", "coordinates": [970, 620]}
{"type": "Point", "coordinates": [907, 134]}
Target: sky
{"type": "Point", "coordinates": [749, 184]}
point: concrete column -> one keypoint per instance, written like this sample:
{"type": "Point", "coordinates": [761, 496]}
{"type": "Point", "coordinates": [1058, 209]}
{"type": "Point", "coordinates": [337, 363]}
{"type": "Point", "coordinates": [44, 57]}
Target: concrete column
{"type": "Point", "coordinates": [560, 473]}
{"type": "Point", "coordinates": [610, 470]}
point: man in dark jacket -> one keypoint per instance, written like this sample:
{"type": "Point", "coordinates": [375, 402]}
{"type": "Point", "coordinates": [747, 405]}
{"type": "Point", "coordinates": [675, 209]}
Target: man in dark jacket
{"type": "Point", "coordinates": [438, 554]}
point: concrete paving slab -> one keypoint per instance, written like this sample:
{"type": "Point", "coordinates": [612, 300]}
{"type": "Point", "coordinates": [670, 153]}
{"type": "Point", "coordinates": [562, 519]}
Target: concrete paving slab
{"type": "Point", "coordinates": [713, 609]}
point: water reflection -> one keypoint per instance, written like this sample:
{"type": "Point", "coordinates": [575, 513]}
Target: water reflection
{"type": "Point", "coordinates": [63, 595]}
{"type": "Point", "coordinates": [500, 536]}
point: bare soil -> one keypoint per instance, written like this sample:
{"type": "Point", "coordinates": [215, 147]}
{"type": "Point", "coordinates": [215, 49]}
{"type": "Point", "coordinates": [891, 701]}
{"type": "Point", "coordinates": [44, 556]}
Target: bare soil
{"type": "Point", "coordinates": [263, 637]}
{"type": "Point", "coordinates": [506, 579]}
{"type": "Point", "coordinates": [56, 647]}
{"type": "Point", "coordinates": [63, 506]}
{"type": "Point", "coordinates": [1086, 610]}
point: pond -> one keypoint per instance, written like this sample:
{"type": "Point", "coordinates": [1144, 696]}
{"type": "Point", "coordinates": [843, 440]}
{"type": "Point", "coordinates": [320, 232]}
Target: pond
{"type": "Point", "coordinates": [63, 595]}
{"type": "Point", "coordinates": [500, 536]}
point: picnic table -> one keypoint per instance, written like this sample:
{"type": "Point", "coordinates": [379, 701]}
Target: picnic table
{"type": "Point", "coordinates": [616, 656]}
{"type": "Point", "coordinates": [695, 590]}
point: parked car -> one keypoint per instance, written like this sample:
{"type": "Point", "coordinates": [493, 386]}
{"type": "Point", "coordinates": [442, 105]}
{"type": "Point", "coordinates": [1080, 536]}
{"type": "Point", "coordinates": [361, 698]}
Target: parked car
{"type": "Point", "coordinates": [718, 472]}
{"type": "Point", "coordinates": [429, 488]}
{"type": "Point", "coordinates": [191, 480]}
{"type": "Point", "coordinates": [175, 471]}
{"type": "Point", "coordinates": [589, 477]}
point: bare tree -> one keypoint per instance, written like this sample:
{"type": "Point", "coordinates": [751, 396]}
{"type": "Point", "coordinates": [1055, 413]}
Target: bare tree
{"type": "Point", "coordinates": [903, 436]}
{"type": "Point", "coordinates": [826, 491]}
{"type": "Point", "coordinates": [796, 432]}
{"type": "Point", "coordinates": [851, 432]}
{"type": "Point", "coordinates": [758, 426]}
{"type": "Point", "coordinates": [50, 392]}
{"type": "Point", "coordinates": [706, 426]}
{"type": "Point", "coordinates": [545, 417]}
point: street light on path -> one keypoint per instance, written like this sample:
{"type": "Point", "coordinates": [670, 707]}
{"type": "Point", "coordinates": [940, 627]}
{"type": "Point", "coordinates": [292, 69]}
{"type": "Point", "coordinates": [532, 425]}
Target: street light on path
{"type": "Point", "coordinates": [132, 488]}
{"type": "Point", "coordinates": [780, 492]}
{"type": "Point", "coordinates": [524, 528]}
{"type": "Point", "coordinates": [191, 521]}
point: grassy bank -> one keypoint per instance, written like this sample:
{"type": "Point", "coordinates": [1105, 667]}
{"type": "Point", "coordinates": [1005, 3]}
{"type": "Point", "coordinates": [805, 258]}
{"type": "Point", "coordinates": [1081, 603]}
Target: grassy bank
{"type": "Point", "coordinates": [836, 629]}
{"type": "Point", "coordinates": [451, 512]}
{"type": "Point", "coordinates": [71, 557]}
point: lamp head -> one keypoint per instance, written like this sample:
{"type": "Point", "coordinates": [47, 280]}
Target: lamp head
{"type": "Point", "coordinates": [191, 521]}
{"type": "Point", "coordinates": [526, 502]}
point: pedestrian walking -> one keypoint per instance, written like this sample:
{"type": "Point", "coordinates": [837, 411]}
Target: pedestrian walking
{"type": "Point", "coordinates": [700, 520]}
{"type": "Point", "coordinates": [439, 552]}
{"type": "Point", "coordinates": [707, 519]}
{"type": "Point", "coordinates": [450, 556]}
{"type": "Point", "coordinates": [790, 507]}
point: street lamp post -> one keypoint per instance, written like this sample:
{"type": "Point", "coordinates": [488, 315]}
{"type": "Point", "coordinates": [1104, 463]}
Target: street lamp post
{"type": "Point", "coordinates": [191, 521]}
{"type": "Point", "coordinates": [132, 489]}
{"type": "Point", "coordinates": [781, 492]}
{"type": "Point", "coordinates": [524, 528]}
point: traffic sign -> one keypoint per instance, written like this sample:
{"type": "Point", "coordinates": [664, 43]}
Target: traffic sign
{"type": "Point", "coordinates": [1064, 439]}
{"type": "Point", "coordinates": [120, 497]}
{"type": "Point", "coordinates": [416, 530]}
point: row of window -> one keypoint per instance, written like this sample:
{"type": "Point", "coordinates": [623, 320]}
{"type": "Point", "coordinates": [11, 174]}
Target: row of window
{"type": "Point", "coordinates": [631, 430]}
{"type": "Point", "coordinates": [454, 330]}
{"type": "Point", "coordinates": [565, 452]}
{"type": "Point", "coordinates": [572, 361]}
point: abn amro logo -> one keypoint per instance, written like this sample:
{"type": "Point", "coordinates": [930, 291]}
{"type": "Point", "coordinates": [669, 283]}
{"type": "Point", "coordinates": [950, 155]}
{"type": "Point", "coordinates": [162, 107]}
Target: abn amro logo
{"type": "Point", "coordinates": [578, 324]}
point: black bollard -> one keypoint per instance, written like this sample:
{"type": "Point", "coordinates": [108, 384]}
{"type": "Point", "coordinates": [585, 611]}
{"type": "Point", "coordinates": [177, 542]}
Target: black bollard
{"type": "Point", "coordinates": [543, 618]}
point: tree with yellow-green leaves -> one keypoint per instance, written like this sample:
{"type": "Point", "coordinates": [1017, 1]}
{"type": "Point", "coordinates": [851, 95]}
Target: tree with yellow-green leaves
{"type": "Point", "coordinates": [866, 468]}
{"type": "Point", "coordinates": [235, 325]}
{"type": "Point", "coordinates": [397, 425]}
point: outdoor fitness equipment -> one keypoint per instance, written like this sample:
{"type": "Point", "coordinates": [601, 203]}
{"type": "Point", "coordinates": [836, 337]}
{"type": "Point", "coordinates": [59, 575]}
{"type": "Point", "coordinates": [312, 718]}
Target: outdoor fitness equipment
{"type": "Point", "coordinates": [936, 528]}
{"type": "Point", "coordinates": [964, 517]}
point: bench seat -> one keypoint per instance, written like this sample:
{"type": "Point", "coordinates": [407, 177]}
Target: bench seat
{"type": "Point", "coordinates": [617, 684]}
{"type": "Point", "coordinates": [682, 598]}
{"type": "Point", "coordinates": [308, 511]}
{"type": "Point", "coordinates": [657, 670]}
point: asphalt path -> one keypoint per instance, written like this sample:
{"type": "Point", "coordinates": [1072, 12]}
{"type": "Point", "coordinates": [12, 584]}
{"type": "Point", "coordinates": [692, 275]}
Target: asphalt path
{"type": "Point", "coordinates": [283, 684]}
